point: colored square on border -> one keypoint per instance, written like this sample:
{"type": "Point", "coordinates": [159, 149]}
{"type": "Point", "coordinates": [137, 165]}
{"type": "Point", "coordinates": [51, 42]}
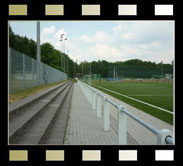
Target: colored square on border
{"type": "Point", "coordinates": [164, 155]}
{"type": "Point", "coordinates": [18, 155]}
{"type": "Point", "coordinates": [17, 10]}
{"type": "Point", "coordinates": [54, 155]}
{"type": "Point", "coordinates": [54, 10]}
{"type": "Point", "coordinates": [163, 10]}
{"type": "Point", "coordinates": [127, 155]}
{"type": "Point", "coordinates": [90, 10]}
{"type": "Point", "coordinates": [91, 155]}
{"type": "Point", "coordinates": [127, 10]}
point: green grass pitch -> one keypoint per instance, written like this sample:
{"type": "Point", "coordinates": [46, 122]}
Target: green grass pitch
{"type": "Point", "coordinates": [159, 94]}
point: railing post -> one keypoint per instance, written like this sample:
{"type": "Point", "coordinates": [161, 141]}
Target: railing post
{"type": "Point", "coordinates": [163, 134]}
{"type": "Point", "coordinates": [99, 104]}
{"type": "Point", "coordinates": [24, 82]}
{"type": "Point", "coordinates": [91, 97]}
{"type": "Point", "coordinates": [94, 100]}
{"type": "Point", "coordinates": [106, 115]}
{"type": "Point", "coordinates": [122, 126]}
{"type": "Point", "coordinates": [88, 93]}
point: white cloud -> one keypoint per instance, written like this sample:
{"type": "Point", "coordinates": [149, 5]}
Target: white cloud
{"type": "Point", "coordinates": [101, 51]}
{"type": "Point", "coordinates": [144, 31]}
{"type": "Point", "coordinates": [48, 31]}
{"type": "Point", "coordinates": [146, 40]}
{"type": "Point", "coordinates": [127, 36]}
{"type": "Point", "coordinates": [85, 38]}
{"type": "Point", "coordinates": [99, 36]}
{"type": "Point", "coordinates": [119, 28]}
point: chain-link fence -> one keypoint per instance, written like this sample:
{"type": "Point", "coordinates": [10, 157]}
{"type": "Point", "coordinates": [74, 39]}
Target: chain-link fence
{"type": "Point", "coordinates": [25, 72]}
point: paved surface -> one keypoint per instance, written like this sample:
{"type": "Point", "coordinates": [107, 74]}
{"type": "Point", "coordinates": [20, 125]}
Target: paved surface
{"type": "Point", "coordinates": [84, 128]}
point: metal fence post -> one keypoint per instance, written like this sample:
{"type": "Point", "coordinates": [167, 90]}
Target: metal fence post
{"type": "Point", "coordinates": [122, 126]}
{"type": "Point", "coordinates": [37, 73]}
{"type": "Point", "coordinates": [99, 103]}
{"type": "Point", "coordinates": [163, 134]}
{"type": "Point", "coordinates": [10, 72]}
{"type": "Point", "coordinates": [24, 72]}
{"type": "Point", "coordinates": [32, 72]}
{"type": "Point", "coordinates": [42, 70]}
{"type": "Point", "coordinates": [106, 115]}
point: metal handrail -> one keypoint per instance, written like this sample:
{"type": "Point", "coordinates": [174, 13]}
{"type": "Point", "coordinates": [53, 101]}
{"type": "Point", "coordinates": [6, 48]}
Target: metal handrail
{"type": "Point", "coordinates": [164, 136]}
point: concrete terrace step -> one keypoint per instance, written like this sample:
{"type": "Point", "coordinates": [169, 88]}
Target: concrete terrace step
{"type": "Point", "coordinates": [38, 130]}
{"type": "Point", "coordinates": [17, 107]}
{"type": "Point", "coordinates": [55, 135]}
{"type": "Point", "coordinates": [20, 122]}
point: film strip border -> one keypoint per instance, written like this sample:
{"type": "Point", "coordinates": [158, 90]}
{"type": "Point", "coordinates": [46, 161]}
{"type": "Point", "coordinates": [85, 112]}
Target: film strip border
{"type": "Point", "coordinates": [101, 156]}
{"type": "Point", "coordinates": [117, 9]}
{"type": "Point", "coordinates": [90, 10]}
{"type": "Point", "coordinates": [96, 9]}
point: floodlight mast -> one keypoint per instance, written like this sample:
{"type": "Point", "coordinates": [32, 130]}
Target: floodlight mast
{"type": "Point", "coordinates": [61, 39]}
{"type": "Point", "coordinates": [64, 53]}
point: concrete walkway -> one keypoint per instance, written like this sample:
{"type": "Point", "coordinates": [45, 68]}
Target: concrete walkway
{"type": "Point", "coordinates": [84, 128]}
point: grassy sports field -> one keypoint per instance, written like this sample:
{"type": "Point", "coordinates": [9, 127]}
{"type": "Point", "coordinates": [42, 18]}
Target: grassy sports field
{"type": "Point", "coordinates": [159, 94]}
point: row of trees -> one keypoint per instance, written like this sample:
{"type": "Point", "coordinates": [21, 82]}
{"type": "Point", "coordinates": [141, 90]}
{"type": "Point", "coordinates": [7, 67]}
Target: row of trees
{"type": "Point", "coordinates": [49, 55]}
{"type": "Point", "coordinates": [134, 68]}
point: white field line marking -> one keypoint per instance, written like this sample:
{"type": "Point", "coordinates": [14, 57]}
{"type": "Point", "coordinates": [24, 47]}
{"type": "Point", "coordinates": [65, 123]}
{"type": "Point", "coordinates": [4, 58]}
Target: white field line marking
{"type": "Point", "coordinates": [136, 100]}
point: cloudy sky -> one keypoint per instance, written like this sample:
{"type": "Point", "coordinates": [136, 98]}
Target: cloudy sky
{"type": "Point", "coordinates": [106, 40]}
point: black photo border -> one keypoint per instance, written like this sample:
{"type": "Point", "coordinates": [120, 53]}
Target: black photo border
{"type": "Point", "coordinates": [73, 154]}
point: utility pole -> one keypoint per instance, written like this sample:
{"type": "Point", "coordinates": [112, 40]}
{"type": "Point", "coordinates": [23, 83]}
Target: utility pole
{"type": "Point", "coordinates": [82, 71]}
{"type": "Point", "coordinates": [74, 69]}
{"type": "Point", "coordinates": [38, 53]}
{"type": "Point", "coordinates": [90, 74]}
{"type": "Point", "coordinates": [162, 69]}
{"type": "Point", "coordinates": [114, 73]}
